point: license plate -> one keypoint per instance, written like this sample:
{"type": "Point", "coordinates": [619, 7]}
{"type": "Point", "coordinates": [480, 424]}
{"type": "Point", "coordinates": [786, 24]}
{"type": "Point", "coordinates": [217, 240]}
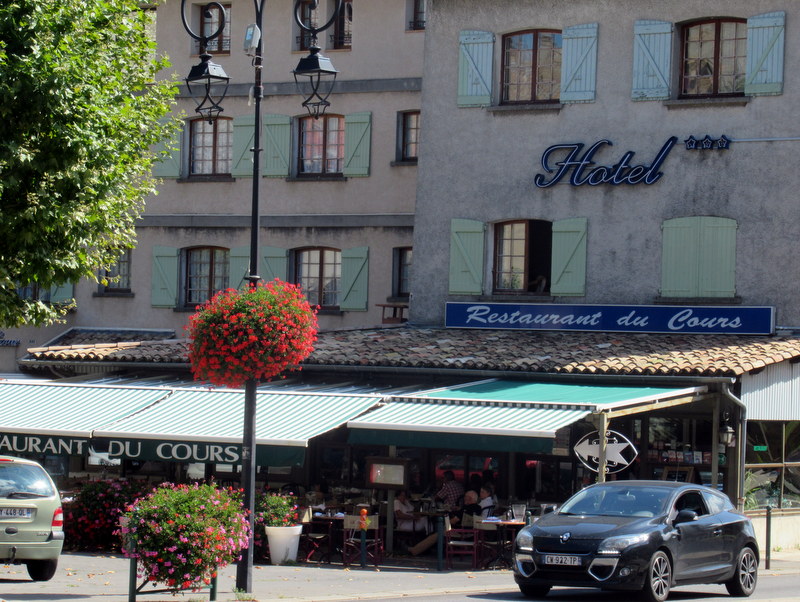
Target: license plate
{"type": "Point", "coordinates": [15, 512]}
{"type": "Point", "coordinates": [564, 560]}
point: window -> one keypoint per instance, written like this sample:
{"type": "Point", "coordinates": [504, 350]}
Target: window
{"type": "Point", "coordinates": [119, 275]}
{"type": "Point", "coordinates": [210, 146]}
{"type": "Point", "coordinates": [698, 257]}
{"type": "Point", "coordinates": [205, 273]}
{"type": "Point", "coordinates": [714, 58]}
{"type": "Point", "coordinates": [318, 271]}
{"type": "Point", "coordinates": [531, 67]}
{"type": "Point", "coordinates": [530, 257]}
{"type": "Point", "coordinates": [522, 256]}
{"type": "Point", "coordinates": [402, 272]}
{"type": "Point", "coordinates": [33, 292]}
{"type": "Point", "coordinates": [408, 136]}
{"type": "Point", "coordinates": [342, 36]}
{"type": "Point", "coordinates": [321, 145]}
{"type": "Point", "coordinates": [210, 19]}
{"type": "Point", "coordinates": [309, 18]}
{"type": "Point", "coordinates": [772, 469]}
{"type": "Point", "coordinates": [417, 21]}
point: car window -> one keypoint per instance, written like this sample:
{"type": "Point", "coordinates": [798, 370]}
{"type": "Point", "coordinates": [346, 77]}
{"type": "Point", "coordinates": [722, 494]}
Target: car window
{"type": "Point", "coordinates": [24, 478]}
{"type": "Point", "coordinates": [691, 500]}
{"type": "Point", "coordinates": [717, 502]}
{"type": "Point", "coordinates": [617, 501]}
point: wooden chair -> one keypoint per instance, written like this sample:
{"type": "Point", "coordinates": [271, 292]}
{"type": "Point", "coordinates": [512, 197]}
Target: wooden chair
{"type": "Point", "coordinates": [315, 539]}
{"type": "Point", "coordinates": [351, 539]}
{"type": "Point", "coordinates": [461, 542]}
{"type": "Point", "coordinates": [489, 544]}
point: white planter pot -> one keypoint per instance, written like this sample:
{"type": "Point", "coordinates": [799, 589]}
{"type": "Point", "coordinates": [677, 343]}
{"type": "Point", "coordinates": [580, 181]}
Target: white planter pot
{"type": "Point", "coordinates": [283, 542]}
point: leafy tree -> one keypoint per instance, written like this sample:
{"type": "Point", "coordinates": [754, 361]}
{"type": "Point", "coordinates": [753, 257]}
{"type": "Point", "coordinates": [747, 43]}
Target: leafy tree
{"type": "Point", "coordinates": [80, 109]}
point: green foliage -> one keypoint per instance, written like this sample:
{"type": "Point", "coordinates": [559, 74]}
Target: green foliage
{"type": "Point", "coordinates": [80, 109]}
{"type": "Point", "coordinates": [91, 516]}
{"type": "Point", "coordinates": [183, 533]}
{"type": "Point", "coordinates": [275, 510]}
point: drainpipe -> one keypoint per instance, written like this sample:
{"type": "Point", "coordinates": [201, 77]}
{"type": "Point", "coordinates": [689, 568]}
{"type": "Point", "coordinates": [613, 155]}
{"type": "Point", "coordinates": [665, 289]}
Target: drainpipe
{"type": "Point", "coordinates": [741, 439]}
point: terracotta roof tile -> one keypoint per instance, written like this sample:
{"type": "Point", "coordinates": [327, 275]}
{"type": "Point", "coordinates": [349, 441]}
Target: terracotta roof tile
{"type": "Point", "coordinates": [516, 351]}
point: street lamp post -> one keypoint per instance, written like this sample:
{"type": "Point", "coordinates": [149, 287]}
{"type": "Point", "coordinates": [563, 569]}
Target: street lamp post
{"type": "Point", "coordinates": [212, 81]}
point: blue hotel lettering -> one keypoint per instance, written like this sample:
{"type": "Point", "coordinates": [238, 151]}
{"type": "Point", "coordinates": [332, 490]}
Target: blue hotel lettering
{"type": "Point", "coordinates": [621, 172]}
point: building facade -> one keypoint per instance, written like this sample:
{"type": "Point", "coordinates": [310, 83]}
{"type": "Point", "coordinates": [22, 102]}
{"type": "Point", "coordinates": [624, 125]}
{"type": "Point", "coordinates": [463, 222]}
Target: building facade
{"type": "Point", "coordinates": [337, 193]}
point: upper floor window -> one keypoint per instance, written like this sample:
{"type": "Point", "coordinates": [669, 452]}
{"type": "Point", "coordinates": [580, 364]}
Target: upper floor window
{"type": "Point", "coordinates": [342, 36]}
{"type": "Point", "coordinates": [698, 257]}
{"type": "Point", "coordinates": [417, 20]}
{"type": "Point", "coordinates": [402, 272]}
{"type": "Point", "coordinates": [210, 19]}
{"type": "Point", "coordinates": [321, 145]}
{"type": "Point", "coordinates": [522, 256]}
{"type": "Point", "coordinates": [118, 276]}
{"type": "Point", "coordinates": [309, 18]}
{"type": "Point", "coordinates": [318, 271]}
{"type": "Point", "coordinates": [714, 58]}
{"type": "Point", "coordinates": [531, 69]}
{"type": "Point", "coordinates": [210, 146]}
{"type": "Point", "coordinates": [205, 272]}
{"type": "Point", "coordinates": [408, 136]}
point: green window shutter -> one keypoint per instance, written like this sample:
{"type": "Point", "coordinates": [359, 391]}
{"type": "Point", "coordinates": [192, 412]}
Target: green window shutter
{"type": "Point", "coordinates": [568, 263]}
{"type": "Point", "coordinates": [652, 55]}
{"type": "Point", "coordinates": [355, 279]}
{"type": "Point", "coordinates": [357, 139]}
{"type": "Point", "coordinates": [680, 238]}
{"type": "Point", "coordinates": [164, 280]}
{"type": "Point", "coordinates": [579, 63]}
{"type": "Point", "coordinates": [277, 145]}
{"type": "Point", "coordinates": [242, 164]}
{"type": "Point", "coordinates": [168, 166]}
{"type": "Point", "coordinates": [239, 268]}
{"type": "Point", "coordinates": [466, 257]}
{"type": "Point", "coordinates": [63, 293]}
{"type": "Point", "coordinates": [274, 263]}
{"type": "Point", "coordinates": [765, 41]}
{"type": "Point", "coordinates": [717, 258]}
{"type": "Point", "coordinates": [475, 61]}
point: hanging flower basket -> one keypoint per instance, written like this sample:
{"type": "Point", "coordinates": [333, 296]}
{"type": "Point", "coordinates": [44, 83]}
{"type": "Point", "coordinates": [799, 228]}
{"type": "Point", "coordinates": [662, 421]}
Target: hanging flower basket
{"type": "Point", "coordinates": [255, 333]}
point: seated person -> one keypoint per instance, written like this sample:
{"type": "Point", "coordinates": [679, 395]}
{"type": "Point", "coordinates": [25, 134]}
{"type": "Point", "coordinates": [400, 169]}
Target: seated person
{"type": "Point", "coordinates": [488, 501]}
{"type": "Point", "coordinates": [471, 506]}
{"type": "Point", "coordinates": [404, 515]}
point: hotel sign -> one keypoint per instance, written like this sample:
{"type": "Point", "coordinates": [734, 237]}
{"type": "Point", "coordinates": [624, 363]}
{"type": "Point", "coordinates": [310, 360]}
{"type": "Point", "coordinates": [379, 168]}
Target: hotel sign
{"type": "Point", "coordinates": [676, 319]}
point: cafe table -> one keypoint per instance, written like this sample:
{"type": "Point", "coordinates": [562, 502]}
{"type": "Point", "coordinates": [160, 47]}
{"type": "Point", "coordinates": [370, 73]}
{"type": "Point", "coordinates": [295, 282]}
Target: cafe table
{"type": "Point", "coordinates": [506, 532]}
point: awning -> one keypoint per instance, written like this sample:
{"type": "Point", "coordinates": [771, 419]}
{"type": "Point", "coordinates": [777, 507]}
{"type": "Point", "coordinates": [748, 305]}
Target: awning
{"type": "Point", "coordinates": [499, 415]}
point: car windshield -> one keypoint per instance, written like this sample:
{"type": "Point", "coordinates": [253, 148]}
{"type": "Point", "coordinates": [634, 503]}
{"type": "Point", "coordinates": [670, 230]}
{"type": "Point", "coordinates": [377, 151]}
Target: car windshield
{"type": "Point", "coordinates": [618, 501]}
{"type": "Point", "coordinates": [17, 480]}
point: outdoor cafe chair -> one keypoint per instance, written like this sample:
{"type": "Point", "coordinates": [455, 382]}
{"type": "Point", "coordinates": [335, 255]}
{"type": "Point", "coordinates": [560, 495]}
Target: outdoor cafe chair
{"type": "Point", "coordinates": [351, 540]}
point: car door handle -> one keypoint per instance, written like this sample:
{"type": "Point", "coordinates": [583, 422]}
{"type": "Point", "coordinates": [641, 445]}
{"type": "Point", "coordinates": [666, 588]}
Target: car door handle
{"type": "Point", "coordinates": [717, 531]}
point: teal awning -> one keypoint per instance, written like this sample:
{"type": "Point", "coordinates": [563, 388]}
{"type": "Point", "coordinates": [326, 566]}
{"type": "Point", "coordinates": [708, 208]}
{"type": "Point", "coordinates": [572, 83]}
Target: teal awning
{"type": "Point", "coordinates": [508, 415]}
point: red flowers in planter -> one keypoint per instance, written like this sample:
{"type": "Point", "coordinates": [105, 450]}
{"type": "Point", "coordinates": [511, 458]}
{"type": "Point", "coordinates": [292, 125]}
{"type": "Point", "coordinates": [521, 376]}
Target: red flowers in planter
{"type": "Point", "coordinates": [254, 333]}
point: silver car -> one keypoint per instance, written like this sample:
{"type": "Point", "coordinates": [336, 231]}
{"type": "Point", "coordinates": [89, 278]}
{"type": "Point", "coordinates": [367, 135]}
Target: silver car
{"type": "Point", "coordinates": [31, 518]}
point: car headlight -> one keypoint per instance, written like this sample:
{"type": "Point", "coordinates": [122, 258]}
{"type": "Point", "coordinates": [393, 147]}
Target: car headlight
{"type": "Point", "coordinates": [616, 545]}
{"type": "Point", "coordinates": [525, 540]}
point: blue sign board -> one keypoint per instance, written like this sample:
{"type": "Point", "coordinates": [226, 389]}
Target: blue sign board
{"type": "Point", "coordinates": [677, 319]}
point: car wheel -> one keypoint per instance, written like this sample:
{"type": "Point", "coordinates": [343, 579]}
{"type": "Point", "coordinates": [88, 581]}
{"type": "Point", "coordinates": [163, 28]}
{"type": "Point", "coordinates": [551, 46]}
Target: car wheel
{"type": "Point", "coordinates": [743, 582]}
{"type": "Point", "coordinates": [42, 570]}
{"type": "Point", "coordinates": [534, 591]}
{"type": "Point", "coordinates": [659, 578]}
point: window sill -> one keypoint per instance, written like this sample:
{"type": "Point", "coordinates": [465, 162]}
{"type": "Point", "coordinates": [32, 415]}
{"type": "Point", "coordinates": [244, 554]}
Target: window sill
{"type": "Point", "coordinates": [695, 103]}
{"type": "Point", "coordinates": [518, 298]}
{"type": "Point", "coordinates": [315, 178]}
{"type": "Point", "coordinates": [532, 107]}
{"type": "Point", "coordinates": [698, 300]}
{"type": "Point", "coordinates": [404, 163]}
{"type": "Point", "coordinates": [206, 178]}
{"type": "Point", "coordinates": [122, 294]}
{"type": "Point", "coordinates": [330, 312]}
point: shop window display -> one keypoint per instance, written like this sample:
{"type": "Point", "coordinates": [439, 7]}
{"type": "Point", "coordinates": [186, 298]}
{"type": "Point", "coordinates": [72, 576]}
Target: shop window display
{"type": "Point", "coordinates": [772, 464]}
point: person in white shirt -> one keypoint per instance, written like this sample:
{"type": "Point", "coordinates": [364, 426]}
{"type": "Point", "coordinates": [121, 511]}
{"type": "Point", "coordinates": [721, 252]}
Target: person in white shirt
{"type": "Point", "coordinates": [404, 515]}
{"type": "Point", "coordinates": [487, 502]}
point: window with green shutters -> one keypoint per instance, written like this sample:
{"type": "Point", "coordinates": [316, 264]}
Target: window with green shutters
{"type": "Point", "coordinates": [698, 257]}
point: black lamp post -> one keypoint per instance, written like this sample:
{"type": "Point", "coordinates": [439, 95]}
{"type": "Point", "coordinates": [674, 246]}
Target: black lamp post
{"type": "Point", "coordinates": [210, 80]}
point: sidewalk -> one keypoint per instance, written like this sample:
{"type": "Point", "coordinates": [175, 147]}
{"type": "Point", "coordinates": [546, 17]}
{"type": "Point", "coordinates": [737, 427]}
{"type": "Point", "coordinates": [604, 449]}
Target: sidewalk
{"type": "Point", "coordinates": [97, 577]}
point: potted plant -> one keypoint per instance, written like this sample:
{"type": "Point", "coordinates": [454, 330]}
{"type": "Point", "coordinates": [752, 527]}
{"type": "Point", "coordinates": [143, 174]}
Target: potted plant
{"type": "Point", "coordinates": [279, 517]}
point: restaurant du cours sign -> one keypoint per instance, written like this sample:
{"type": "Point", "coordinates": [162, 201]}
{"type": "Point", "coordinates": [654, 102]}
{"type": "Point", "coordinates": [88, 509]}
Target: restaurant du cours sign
{"type": "Point", "coordinates": [658, 319]}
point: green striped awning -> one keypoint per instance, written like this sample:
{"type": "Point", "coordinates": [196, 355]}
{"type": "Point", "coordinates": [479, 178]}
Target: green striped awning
{"type": "Point", "coordinates": [69, 410]}
{"type": "Point", "coordinates": [284, 418]}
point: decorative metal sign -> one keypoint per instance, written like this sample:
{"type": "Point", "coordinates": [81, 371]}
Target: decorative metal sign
{"type": "Point", "coordinates": [680, 319]}
{"type": "Point", "coordinates": [707, 143]}
{"type": "Point", "coordinates": [578, 165]}
{"type": "Point", "coordinates": [620, 452]}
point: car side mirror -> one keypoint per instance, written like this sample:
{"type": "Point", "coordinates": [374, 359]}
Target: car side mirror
{"type": "Point", "coordinates": [685, 516]}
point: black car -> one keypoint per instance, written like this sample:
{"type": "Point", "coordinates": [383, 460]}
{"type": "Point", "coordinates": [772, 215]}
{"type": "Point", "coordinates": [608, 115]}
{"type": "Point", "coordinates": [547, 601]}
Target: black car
{"type": "Point", "coordinates": [639, 535]}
